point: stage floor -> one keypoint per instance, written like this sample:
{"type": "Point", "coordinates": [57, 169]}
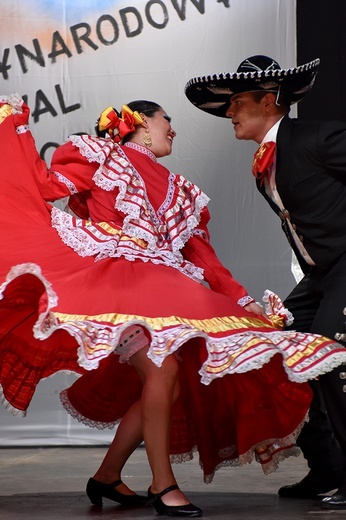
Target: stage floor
{"type": "Point", "coordinates": [42, 483]}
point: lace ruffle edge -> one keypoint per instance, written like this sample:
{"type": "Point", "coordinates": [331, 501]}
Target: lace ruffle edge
{"type": "Point", "coordinates": [119, 176]}
{"type": "Point", "coordinates": [45, 319]}
{"type": "Point", "coordinates": [15, 101]}
{"type": "Point", "coordinates": [164, 237]}
{"type": "Point", "coordinates": [284, 448]}
{"type": "Point", "coordinates": [264, 345]}
{"type": "Point", "coordinates": [321, 362]}
{"type": "Point", "coordinates": [80, 418]}
{"type": "Point", "coordinates": [9, 407]}
{"type": "Point", "coordinates": [250, 456]}
{"type": "Point", "coordinates": [81, 240]}
{"type": "Point", "coordinates": [22, 413]}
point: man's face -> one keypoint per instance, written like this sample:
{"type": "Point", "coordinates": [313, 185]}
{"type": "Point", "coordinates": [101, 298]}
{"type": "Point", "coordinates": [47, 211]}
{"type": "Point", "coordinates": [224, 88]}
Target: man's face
{"type": "Point", "coordinates": [248, 117]}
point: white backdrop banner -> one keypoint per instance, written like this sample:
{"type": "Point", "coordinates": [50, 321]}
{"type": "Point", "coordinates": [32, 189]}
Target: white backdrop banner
{"type": "Point", "coordinates": [70, 60]}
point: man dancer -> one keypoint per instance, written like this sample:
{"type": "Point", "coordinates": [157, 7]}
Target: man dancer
{"type": "Point", "coordinates": [300, 169]}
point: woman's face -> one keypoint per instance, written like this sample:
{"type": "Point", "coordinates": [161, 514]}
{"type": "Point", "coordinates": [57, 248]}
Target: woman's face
{"type": "Point", "coordinates": [161, 133]}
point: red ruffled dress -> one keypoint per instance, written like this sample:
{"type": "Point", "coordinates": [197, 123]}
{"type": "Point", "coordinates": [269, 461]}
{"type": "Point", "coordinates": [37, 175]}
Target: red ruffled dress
{"type": "Point", "coordinates": [70, 287]}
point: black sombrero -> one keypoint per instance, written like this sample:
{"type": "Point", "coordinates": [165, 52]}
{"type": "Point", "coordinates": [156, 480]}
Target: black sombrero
{"type": "Point", "coordinates": [257, 73]}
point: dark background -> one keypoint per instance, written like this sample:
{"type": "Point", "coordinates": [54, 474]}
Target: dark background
{"type": "Point", "coordinates": [321, 33]}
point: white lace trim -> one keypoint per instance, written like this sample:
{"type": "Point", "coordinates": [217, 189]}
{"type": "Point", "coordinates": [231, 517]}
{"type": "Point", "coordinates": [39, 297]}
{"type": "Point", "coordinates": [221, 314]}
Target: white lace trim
{"type": "Point", "coordinates": [22, 413]}
{"type": "Point", "coordinates": [7, 405]}
{"type": "Point", "coordinates": [34, 269]}
{"type": "Point", "coordinates": [80, 418]}
{"type": "Point", "coordinates": [276, 450]}
{"type": "Point", "coordinates": [248, 350]}
{"type": "Point", "coordinates": [22, 129]}
{"type": "Point", "coordinates": [64, 180]}
{"type": "Point", "coordinates": [145, 234]}
{"type": "Point", "coordinates": [15, 101]}
{"type": "Point", "coordinates": [89, 240]}
{"type": "Point", "coordinates": [46, 320]}
{"type": "Point", "coordinates": [141, 149]}
{"type": "Point", "coordinates": [201, 233]}
{"type": "Point", "coordinates": [85, 145]}
{"type": "Point", "coordinates": [245, 300]}
{"type": "Point", "coordinates": [275, 306]}
{"type": "Point", "coordinates": [116, 171]}
{"type": "Point", "coordinates": [251, 455]}
{"type": "Point", "coordinates": [264, 345]}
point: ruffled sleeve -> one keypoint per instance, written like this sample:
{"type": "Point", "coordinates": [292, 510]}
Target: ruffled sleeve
{"type": "Point", "coordinates": [70, 171]}
{"type": "Point", "coordinates": [143, 233]}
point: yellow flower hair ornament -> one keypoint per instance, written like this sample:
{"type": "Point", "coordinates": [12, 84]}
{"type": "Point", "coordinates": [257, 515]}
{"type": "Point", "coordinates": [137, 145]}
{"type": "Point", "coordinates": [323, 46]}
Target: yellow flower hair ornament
{"type": "Point", "coordinates": [118, 127]}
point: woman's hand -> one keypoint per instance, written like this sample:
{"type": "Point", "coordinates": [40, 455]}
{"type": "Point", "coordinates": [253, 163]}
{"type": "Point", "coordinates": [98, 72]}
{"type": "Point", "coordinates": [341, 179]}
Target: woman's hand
{"type": "Point", "coordinates": [255, 308]}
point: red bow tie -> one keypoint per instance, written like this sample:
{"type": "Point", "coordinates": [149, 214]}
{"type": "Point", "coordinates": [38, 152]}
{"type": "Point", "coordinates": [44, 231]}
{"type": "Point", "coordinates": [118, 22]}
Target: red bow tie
{"type": "Point", "coordinates": [263, 160]}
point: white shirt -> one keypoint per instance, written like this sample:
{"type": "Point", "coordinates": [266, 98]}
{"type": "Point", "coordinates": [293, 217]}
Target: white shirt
{"type": "Point", "coordinates": [271, 191]}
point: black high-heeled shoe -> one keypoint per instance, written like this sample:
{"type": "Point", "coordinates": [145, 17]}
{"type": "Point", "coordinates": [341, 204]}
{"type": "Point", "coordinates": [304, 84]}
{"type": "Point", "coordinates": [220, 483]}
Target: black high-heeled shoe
{"type": "Point", "coordinates": [96, 490]}
{"type": "Point", "coordinates": [163, 509]}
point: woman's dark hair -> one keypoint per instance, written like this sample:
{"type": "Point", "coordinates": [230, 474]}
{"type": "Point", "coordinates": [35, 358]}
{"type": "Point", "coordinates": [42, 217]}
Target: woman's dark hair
{"type": "Point", "coordinates": [148, 108]}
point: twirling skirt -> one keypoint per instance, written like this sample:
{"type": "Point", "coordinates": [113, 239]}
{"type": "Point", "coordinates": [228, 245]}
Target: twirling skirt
{"type": "Point", "coordinates": [243, 382]}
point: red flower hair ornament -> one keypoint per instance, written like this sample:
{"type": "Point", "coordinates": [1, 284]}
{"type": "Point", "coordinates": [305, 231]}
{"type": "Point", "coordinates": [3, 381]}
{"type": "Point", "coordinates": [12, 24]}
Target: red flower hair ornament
{"type": "Point", "coordinates": [118, 127]}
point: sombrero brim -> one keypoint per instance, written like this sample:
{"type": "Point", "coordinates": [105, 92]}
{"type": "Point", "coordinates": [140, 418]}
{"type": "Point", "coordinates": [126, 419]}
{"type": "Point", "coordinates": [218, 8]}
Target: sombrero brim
{"type": "Point", "coordinates": [212, 93]}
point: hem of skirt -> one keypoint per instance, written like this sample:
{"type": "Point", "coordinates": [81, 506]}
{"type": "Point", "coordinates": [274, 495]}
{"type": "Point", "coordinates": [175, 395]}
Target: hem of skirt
{"type": "Point", "coordinates": [22, 413]}
{"type": "Point", "coordinates": [285, 447]}
{"type": "Point", "coordinates": [250, 457]}
{"type": "Point", "coordinates": [71, 410]}
{"type": "Point", "coordinates": [268, 344]}
{"type": "Point", "coordinates": [312, 372]}
{"type": "Point", "coordinates": [8, 406]}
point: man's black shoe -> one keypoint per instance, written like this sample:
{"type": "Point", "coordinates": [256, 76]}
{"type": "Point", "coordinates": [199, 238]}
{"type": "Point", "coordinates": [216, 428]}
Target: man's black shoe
{"type": "Point", "coordinates": [310, 486]}
{"type": "Point", "coordinates": [336, 501]}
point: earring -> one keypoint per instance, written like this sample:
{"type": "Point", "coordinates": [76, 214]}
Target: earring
{"type": "Point", "coordinates": [146, 141]}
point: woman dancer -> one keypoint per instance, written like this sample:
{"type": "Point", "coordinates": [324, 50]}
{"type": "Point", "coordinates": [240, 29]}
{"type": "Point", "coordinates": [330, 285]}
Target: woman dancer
{"type": "Point", "coordinates": [195, 366]}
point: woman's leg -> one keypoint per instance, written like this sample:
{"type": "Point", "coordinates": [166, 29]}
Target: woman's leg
{"type": "Point", "coordinates": [148, 418]}
{"type": "Point", "coordinates": [127, 438]}
{"type": "Point", "coordinates": [129, 432]}
{"type": "Point", "coordinates": [160, 390]}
